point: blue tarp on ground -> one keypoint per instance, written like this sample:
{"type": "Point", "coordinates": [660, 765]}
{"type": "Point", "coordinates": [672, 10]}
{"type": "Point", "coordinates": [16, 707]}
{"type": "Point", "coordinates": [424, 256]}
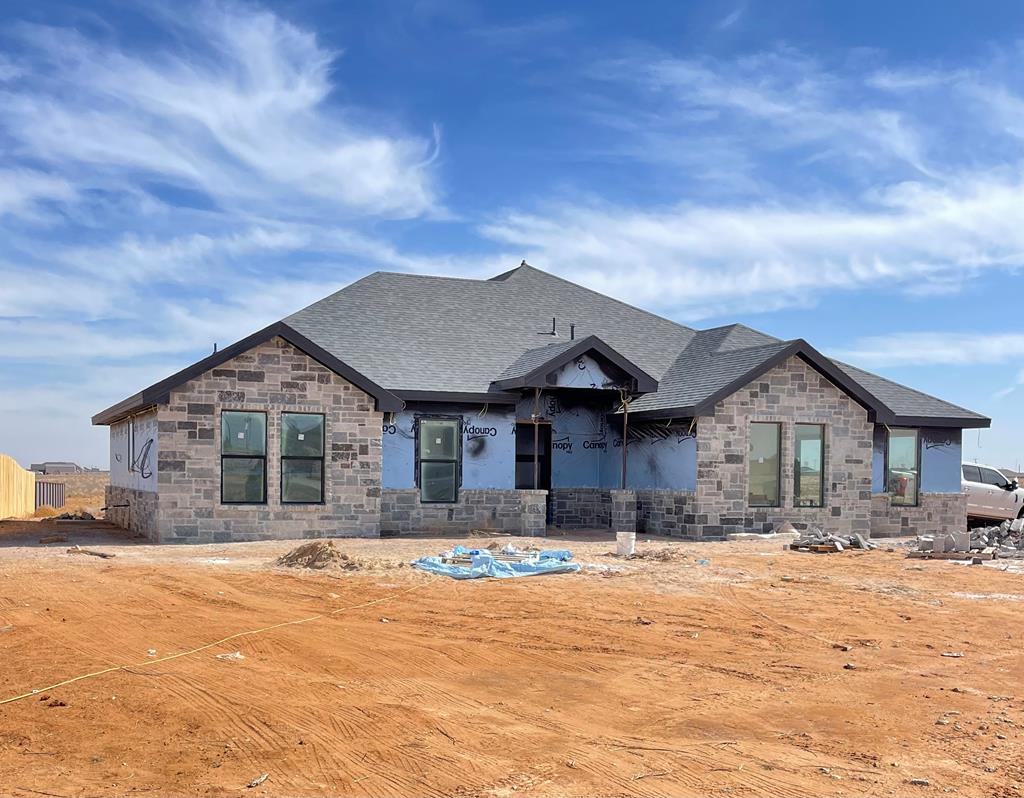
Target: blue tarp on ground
{"type": "Point", "coordinates": [554, 561]}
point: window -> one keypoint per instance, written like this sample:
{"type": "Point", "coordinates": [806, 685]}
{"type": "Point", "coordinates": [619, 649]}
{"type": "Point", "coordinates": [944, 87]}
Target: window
{"type": "Point", "coordinates": [808, 471]}
{"type": "Point", "coordinates": [439, 455]}
{"type": "Point", "coordinates": [763, 465]}
{"type": "Point", "coordinates": [903, 466]}
{"type": "Point", "coordinates": [243, 457]}
{"type": "Point", "coordinates": [302, 458]}
{"type": "Point", "coordinates": [992, 477]}
{"type": "Point", "coordinates": [972, 473]}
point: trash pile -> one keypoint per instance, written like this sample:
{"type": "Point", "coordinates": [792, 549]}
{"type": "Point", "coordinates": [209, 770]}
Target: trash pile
{"type": "Point", "coordinates": [503, 563]}
{"type": "Point", "coordinates": [981, 543]}
{"type": "Point", "coordinates": [827, 542]}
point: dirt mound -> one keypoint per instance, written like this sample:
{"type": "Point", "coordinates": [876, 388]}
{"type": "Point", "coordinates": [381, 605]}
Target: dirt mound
{"type": "Point", "coordinates": [318, 554]}
{"type": "Point", "coordinates": [666, 554]}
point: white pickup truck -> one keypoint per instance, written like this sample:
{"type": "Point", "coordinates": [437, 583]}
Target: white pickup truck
{"type": "Point", "coordinates": [990, 495]}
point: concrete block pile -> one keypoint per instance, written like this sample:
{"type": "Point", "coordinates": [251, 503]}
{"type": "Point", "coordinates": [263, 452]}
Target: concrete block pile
{"type": "Point", "coordinates": [826, 542]}
{"type": "Point", "coordinates": [1005, 540]}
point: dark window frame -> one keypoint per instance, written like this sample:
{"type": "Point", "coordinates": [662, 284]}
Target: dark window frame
{"type": "Point", "coordinates": [419, 460]}
{"type": "Point", "coordinates": [998, 473]}
{"type": "Point", "coordinates": [322, 458]}
{"type": "Point", "coordinates": [917, 464]}
{"type": "Point", "coordinates": [963, 473]}
{"type": "Point", "coordinates": [263, 457]}
{"type": "Point", "coordinates": [779, 499]}
{"type": "Point", "coordinates": [796, 466]}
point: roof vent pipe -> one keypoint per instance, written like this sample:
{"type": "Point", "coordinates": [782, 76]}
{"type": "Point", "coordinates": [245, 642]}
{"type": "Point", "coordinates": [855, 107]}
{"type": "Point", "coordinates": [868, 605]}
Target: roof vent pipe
{"type": "Point", "coordinates": [572, 332]}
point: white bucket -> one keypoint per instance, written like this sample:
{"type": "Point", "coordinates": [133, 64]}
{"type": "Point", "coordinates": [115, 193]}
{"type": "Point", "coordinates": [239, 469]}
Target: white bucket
{"type": "Point", "coordinates": [625, 543]}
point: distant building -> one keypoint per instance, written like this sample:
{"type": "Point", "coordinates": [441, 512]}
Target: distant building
{"type": "Point", "coordinates": [59, 467]}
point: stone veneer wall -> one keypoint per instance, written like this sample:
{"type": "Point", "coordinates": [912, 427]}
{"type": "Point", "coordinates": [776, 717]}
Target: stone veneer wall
{"type": "Point", "coordinates": [624, 510]}
{"type": "Point", "coordinates": [791, 392]}
{"type": "Point", "coordinates": [141, 514]}
{"type": "Point", "coordinates": [667, 512]}
{"type": "Point", "coordinates": [581, 508]}
{"type": "Point", "coordinates": [272, 377]}
{"type": "Point", "coordinates": [935, 512]}
{"type": "Point", "coordinates": [517, 511]}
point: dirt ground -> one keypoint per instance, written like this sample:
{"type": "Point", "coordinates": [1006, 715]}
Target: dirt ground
{"type": "Point", "coordinates": [732, 669]}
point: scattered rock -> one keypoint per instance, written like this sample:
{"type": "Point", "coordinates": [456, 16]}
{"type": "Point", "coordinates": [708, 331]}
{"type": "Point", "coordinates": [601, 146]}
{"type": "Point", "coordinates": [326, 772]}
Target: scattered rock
{"type": "Point", "coordinates": [919, 782]}
{"type": "Point", "coordinates": [664, 554]}
{"type": "Point", "coordinates": [256, 782]}
{"type": "Point", "coordinates": [642, 621]}
{"type": "Point", "coordinates": [77, 515]}
{"type": "Point", "coordinates": [953, 654]}
{"type": "Point", "coordinates": [233, 656]}
{"type": "Point", "coordinates": [849, 666]}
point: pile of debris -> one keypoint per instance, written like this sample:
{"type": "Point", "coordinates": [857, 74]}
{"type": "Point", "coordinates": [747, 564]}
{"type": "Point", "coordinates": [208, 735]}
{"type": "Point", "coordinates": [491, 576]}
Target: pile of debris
{"type": "Point", "coordinates": [77, 515]}
{"type": "Point", "coordinates": [318, 554]}
{"type": "Point", "coordinates": [980, 543]}
{"type": "Point", "coordinates": [827, 542]}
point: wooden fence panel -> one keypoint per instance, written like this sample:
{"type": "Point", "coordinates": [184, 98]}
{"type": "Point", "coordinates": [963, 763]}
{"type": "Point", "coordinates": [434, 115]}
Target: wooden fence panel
{"type": "Point", "coordinates": [17, 489]}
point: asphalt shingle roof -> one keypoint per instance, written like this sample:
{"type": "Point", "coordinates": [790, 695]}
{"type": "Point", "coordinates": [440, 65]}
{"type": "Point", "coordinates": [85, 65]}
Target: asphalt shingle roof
{"type": "Point", "coordinates": [904, 401]}
{"type": "Point", "coordinates": [534, 358]}
{"type": "Point", "coordinates": [418, 333]}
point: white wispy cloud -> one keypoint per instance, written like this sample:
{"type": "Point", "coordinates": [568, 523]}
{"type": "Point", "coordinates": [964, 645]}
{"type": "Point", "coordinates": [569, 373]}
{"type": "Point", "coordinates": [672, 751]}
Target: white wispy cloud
{"type": "Point", "coordinates": [22, 191]}
{"type": "Point", "coordinates": [767, 102]}
{"type": "Point", "coordinates": [699, 261]}
{"type": "Point", "coordinates": [730, 19]}
{"type": "Point", "coordinates": [934, 348]}
{"type": "Point", "coordinates": [237, 109]}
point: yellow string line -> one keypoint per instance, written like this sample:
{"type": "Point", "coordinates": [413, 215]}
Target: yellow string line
{"type": "Point", "coordinates": [223, 640]}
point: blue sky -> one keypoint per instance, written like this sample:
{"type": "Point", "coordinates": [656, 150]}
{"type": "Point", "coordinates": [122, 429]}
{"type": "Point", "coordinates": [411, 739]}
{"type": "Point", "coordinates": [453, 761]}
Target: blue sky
{"type": "Point", "coordinates": [849, 173]}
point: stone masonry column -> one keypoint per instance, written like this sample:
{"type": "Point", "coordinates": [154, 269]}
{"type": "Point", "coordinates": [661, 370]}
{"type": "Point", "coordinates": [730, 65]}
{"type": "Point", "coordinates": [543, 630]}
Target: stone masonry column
{"type": "Point", "coordinates": [623, 511]}
{"type": "Point", "coordinates": [534, 510]}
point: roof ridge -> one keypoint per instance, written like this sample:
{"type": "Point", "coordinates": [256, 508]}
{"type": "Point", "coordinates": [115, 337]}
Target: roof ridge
{"type": "Point", "coordinates": [480, 280]}
{"type": "Point", "coordinates": [526, 267]}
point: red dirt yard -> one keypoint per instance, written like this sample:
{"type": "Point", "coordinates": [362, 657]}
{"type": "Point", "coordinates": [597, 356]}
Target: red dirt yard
{"type": "Point", "coordinates": [762, 672]}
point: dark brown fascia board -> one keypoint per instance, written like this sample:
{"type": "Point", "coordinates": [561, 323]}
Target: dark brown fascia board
{"type": "Point", "coordinates": [126, 407]}
{"type": "Point", "coordinates": [459, 396]}
{"type": "Point", "coordinates": [957, 422]}
{"type": "Point", "coordinates": [159, 393]}
{"type": "Point", "coordinates": [535, 379]}
{"type": "Point", "coordinates": [878, 412]}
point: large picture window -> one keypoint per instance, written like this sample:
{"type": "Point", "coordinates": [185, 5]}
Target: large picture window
{"type": "Point", "coordinates": [243, 457]}
{"type": "Point", "coordinates": [809, 465]}
{"type": "Point", "coordinates": [763, 463]}
{"type": "Point", "coordinates": [302, 458]}
{"type": "Point", "coordinates": [439, 455]}
{"type": "Point", "coordinates": [903, 466]}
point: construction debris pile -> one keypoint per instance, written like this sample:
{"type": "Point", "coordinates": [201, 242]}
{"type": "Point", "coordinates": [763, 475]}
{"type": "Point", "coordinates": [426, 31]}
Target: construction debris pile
{"type": "Point", "coordinates": [827, 542]}
{"type": "Point", "coordinates": [980, 543]}
{"type": "Point", "coordinates": [77, 515]}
